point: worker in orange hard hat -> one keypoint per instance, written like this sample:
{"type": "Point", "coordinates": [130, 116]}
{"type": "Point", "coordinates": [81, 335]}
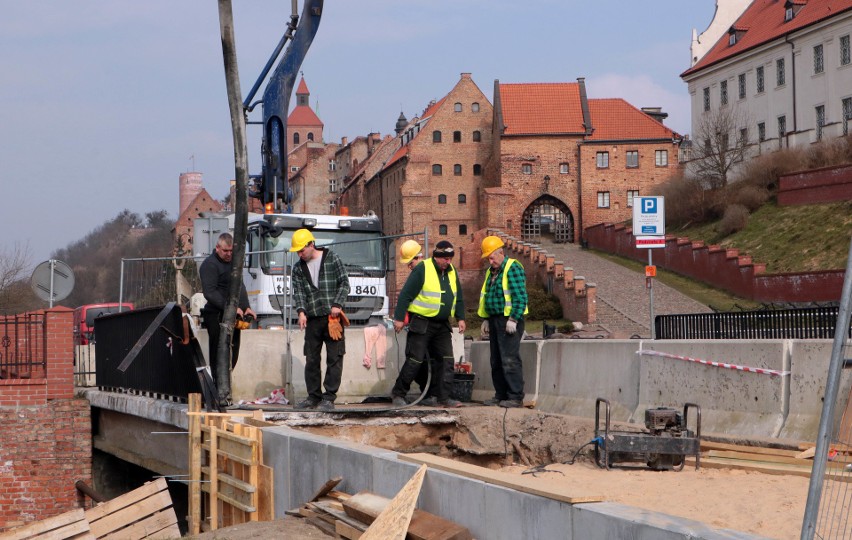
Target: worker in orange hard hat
{"type": "Point", "coordinates": [503, 304]}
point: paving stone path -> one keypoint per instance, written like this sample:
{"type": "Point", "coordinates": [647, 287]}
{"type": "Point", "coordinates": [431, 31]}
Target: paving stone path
{"type": "Point", "coordinates": [622, 299]}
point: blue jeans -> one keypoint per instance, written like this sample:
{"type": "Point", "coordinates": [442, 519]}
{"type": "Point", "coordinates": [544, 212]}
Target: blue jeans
{"type": "Point", "coordinates": [507, 372]}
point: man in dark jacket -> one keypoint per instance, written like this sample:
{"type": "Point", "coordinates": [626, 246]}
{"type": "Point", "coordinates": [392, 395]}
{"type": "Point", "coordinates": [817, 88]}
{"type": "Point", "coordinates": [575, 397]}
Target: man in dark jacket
{"type": "Point", "coordinates": [215, 273]}
{"type": "Point", "coordinates": [431, 295]}
{"type": "Point", "coordinates": [320, 288]}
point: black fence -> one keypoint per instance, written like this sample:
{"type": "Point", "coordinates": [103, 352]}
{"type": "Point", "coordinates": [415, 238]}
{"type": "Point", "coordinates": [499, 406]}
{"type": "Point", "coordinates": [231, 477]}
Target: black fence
{"type": "Point", "coordinates": [799, 323]}
{"type": "Point", "coordinates": [23, 346]}
{"type": "Point", "coordinates": [164, 367]}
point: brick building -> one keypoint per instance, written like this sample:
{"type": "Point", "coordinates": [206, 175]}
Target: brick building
{"type": "Point", "coordinates": [185, 224]}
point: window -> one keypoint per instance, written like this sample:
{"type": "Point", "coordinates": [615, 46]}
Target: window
{"type": "Point", "coordinates": [457, 169]}
{"type": "Point", "coordinates": [820, 120]}
{"type": "Point", "coordinates": [779, 72]}
{"type": "Point", "coordinates": [526, 168]}
{"type": "Point", "coordinates": [761, 131]}
{"type": "Point", "coordinates": [743, 136]}
{"type": "Point", "coordinates": [456, 136]}
{"type": "Point", "coordinates": [477, 169]}
{"type": "Point", "coordinates": [436, 136]}
{"type": "Point", "coordinates": [632, 159]}
{"type": "Point", "coordinates": [564, 168]}
{"type": "Point", "coordinates": [477, 136]}
{"type": "Point", "coordinates": [845, 53]}
{"type": "Point", "coordinates": [760, 81]}
{"type": "Point", "coordinates": [442, 230]}
{"type": "Point", "coordinates": [332, 185]}
{"type": "Point", "coordinates": [294, 168]}
{"type": "Point", "coordinates": [457, 107]}
{"type": "Point", "coordinates": [436, 170]}
{"type": "Point", "coordinates": [741, 85]}
{"type": "Point", "coordinates": [474, 107]}
{"type": "Point", "coordinates": [631, 194]}
{"type": "Point", "coordinates": [603, 199]}
{"type": "Point", "coordinates": [661, 158]}
{"type": "Point", "coordinates": [818, 64]}
{"type": "Point", "coordinates": [788, 14]}
{"type": "Point", "coordinates": [332, 165]}
{"type": "Point", "coordinates": [462, 198]}
{"type": "Point", "coordinates": [295, 139]}
{"type": "Point", "coordinates": [782, 126]}
{"type": "Point", "coordinates": [442, 199]}
{"type": "Point", "coordinates": [725, 144]}
{"type": "Point", "coordinates": [723, 92]}
{"type": "Point", "coordinates": [847, 114]}
{"type": "Point", "coordinates": [332, 206]}
{"type": "Point", "coordinates": [462, 229]}
{"type": "Point", "coordinates": [602, 160]}
{"type": "Point", "coordinates": [310, 136]}
{"type": "Point", "coordinates": [706, 99]}
{"type": "Point", "coordinates": [732, 38]}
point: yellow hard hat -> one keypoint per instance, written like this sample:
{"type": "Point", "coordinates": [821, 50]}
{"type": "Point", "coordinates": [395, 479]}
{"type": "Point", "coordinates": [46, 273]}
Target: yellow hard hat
{"type": "Point", "coordinates": [490, 244]}
{"type": "Point", "coordinates": [301, 238]}
{"type": "Point", "coordinates": [408, 250]}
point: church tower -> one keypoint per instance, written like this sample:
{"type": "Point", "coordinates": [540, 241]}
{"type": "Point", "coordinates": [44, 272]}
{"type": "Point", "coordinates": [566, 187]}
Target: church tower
{"type": "Point", "coordinates": [303, 125]}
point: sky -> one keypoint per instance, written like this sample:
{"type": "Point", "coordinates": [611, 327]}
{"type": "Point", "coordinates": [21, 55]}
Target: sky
{"type": "Point", "coordinates": [104, 103]}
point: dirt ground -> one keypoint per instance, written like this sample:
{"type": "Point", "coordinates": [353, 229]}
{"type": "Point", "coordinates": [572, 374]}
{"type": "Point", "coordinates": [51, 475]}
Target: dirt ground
{"type": "Point", "coordinates": [516, 440]}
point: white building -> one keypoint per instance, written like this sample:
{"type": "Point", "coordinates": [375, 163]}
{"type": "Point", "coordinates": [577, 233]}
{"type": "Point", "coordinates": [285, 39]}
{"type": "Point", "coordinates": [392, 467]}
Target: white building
{"type": "Point", "coordinates": [785, 66]}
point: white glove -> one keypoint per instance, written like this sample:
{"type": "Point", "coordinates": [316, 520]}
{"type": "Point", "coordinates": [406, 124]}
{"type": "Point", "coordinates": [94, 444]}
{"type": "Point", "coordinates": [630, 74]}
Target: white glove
{"type": "Point", "coordinates": [511, 327]}
{"type": "Point", "coordinates": [484, 328]}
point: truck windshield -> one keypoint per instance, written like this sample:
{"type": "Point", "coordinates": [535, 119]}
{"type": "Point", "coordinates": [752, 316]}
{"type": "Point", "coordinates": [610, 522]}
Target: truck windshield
{"type": "Point", "coordinates": [361, 252]}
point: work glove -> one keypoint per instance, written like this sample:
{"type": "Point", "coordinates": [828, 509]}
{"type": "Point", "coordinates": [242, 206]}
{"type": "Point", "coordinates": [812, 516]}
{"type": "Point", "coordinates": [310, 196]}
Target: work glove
{"type": "Point", "coordinates": [335, 329]}
{"type": "Point", "coordinates": [243, 323]}
{"type": "Point", "coordinates": [344, 320]}
{"type": "Point", "coordinates": [511, 327]}
{"type": "Point", "coordinates": [484, 328]}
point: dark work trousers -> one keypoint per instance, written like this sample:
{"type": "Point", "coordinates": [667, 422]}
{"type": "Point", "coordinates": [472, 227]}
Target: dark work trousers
{"type": "Point", "coordinates": [507, 372]}
{"type": "Point", "coordinates": [433, 347]}
{"type": "Point", "coordinates": [316, 333]}
{"type": "Point", "coordinates": [212, 321]}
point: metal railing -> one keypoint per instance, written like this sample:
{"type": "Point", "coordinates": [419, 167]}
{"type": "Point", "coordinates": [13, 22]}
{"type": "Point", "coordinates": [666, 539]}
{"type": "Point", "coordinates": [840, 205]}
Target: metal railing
{"type": "Point", "coordinates": [23, 346]}
{"type": "Point", "coordinates": [799, 323]}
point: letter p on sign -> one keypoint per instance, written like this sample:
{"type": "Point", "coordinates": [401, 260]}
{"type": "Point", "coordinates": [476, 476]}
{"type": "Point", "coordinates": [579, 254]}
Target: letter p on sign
{"type": "Point", "coordinates": [649, 205]}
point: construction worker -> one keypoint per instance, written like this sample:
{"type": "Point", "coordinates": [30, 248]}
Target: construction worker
{"type": "Point", "coordinates": [320, 287]}
{"type": "Point", "coordinates": [410, 254]}
{"type": "Point", "coordinates": [503, 304]}
{"type": "Point", "coordinates": [430, 296]}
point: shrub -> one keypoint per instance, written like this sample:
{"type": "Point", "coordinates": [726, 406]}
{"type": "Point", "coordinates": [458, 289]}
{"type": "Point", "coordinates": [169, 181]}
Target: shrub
{"type": "Point", "coordinates": [735, 219]}
{"type": "Point", "coordinates": [686, 200]}
{"type": "Point", "coordinates": [750, 196]}
{"type": "Point", "coordinates": [543, 305]}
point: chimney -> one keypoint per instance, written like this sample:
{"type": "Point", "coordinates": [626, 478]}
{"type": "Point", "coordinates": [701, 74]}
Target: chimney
{"type": "Point", "coordinates": [344, 141]}
{"type": "Point", "coordinates": [465, 75]}
{"type": "Point", "coordinates": [584, 105]}
{"type": "Point", "coordinates": [656, 113]}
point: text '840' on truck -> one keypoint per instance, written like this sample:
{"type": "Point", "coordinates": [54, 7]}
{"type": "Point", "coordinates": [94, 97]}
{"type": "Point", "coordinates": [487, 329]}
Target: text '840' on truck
{"type": "Point", "coordinates": [357, 240]}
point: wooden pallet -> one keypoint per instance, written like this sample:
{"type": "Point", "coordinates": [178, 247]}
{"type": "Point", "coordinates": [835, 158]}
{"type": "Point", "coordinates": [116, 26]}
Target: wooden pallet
{"type": "Point", "coordinates": [228, 483]}
{"type": "Point", "coordinates": [145, 512]}
{"type": "Point", "coordinates": [67, 526]}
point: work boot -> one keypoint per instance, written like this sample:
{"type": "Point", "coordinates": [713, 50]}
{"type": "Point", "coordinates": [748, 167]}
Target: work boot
{"type": "Point", "coordinates": [493, 402]}
{"type": "Point", "coordinates": [326, 405]}
{"type": "Point", "coordinates": [431, 401]}
{"type": "Point", "coordinates": [450, 403]}
{"type": "Point", "coordinates": [308, 403]}
{"type": "Point", "coordinates": [511, 403]}
{"type": "Point", "coordinates": [399, 401]}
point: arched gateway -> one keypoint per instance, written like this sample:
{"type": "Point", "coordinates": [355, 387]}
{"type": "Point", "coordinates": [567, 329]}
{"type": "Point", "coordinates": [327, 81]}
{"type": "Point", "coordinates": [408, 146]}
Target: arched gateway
{"type": "Point", "coordinates": [550, 217]}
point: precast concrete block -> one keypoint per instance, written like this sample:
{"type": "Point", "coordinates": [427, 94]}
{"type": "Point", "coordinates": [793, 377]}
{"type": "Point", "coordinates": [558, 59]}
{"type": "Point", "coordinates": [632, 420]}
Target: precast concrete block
{"type": "Point", "coordinates": [575, 373]}
{"type": "Point", "coordinates": [353, 462]}
{"type": "Point", "coordinates": [455, 498]}
{"type": "Point", "coordinates": [480, 358]}
{"type": "Point", "coordinates": [276, 454]}
{"type": "Point", "coordinates": [605, 521]}
{"type": "Point", "coordinates": [390, 474]}
{"type": "Point", "coordinates": [809, 362]}
{"type": "Point", "coordinates": [732, 401]}
{"type": "Point", "coordinates": [309, 467]}
{"type": "Point", "coordinates": [502, 510]}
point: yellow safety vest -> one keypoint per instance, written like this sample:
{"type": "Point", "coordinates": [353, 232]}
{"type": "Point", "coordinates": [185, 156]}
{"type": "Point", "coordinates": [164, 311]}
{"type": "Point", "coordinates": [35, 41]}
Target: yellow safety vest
{"type": "Point", "coordinates": [507, 295]}
{"type": "Point", "coordinates": [428, 302]}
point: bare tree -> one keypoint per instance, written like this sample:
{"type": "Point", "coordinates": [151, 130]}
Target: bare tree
{"type": "Point", "coordinates": [14, 262]}
{"type": "Point", "coordinates": [720, 144]}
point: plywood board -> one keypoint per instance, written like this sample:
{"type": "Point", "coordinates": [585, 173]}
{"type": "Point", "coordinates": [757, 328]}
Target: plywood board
{"type": "Point", "coordinates": [392, 522]}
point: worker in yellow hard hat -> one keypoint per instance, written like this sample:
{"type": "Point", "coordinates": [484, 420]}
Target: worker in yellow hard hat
{"type": "Point", "coordinates": [503, 304]}
{"type": "Point", "coordinates": [320, 287]}
{"type": "Point", "coordinates": [410, 253]}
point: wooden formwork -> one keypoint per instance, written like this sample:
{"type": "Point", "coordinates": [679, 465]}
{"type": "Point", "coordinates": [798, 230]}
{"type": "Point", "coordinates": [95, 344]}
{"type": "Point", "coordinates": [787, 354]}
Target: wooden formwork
{"type": "Point", "coordinates": [228, 483]}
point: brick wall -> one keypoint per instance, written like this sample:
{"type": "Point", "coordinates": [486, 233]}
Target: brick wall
{"type": "Point", "coordinates": [725, 269]}
{"type": "Point", "coordinates": [46, 443]}
{"type": "Point", "coordinates": [829, 184]}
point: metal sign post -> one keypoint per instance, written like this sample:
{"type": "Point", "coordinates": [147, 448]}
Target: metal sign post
{"type": "Point", "coordinates": [649, 228]}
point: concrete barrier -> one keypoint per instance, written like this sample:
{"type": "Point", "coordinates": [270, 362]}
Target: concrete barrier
{"type": "Point", "coordinates": [480, 358]}
{"type": "Point", "coordinates": [809, 361]}
{"type": "Point", "coordinates": [731, 401]}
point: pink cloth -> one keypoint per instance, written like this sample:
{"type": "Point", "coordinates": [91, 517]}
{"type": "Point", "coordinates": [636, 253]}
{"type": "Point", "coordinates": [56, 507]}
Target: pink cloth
{"type": "Point", "coordinates": [375, 336]}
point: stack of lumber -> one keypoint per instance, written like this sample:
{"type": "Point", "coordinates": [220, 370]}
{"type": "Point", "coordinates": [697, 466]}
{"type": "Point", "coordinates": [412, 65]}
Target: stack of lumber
{"type": "Point", "coordinates": [717, 455]}
{"type": "Point", "coordinates": [349, 516]}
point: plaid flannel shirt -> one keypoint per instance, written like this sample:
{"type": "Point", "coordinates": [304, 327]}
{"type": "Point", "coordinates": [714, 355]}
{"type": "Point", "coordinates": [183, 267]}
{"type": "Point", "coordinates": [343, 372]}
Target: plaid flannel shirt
{"type": "Point", "coordinates": [333, 286]}
{"type": "Point", "coordinates": [494, 301]}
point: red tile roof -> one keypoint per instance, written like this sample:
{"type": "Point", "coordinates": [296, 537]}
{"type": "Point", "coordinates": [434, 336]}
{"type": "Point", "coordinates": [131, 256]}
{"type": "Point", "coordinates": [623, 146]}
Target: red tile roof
{"type": "Point", "coordinates": [303, 116]}
{"type": "Point", "coordinates": [763, 21]}
{"type": "Point", "coordinates": [303, 88]}
{"type": "Point", "coordinates": [541, 108]}
{"type": "Point", "coordinates": [615, 119]}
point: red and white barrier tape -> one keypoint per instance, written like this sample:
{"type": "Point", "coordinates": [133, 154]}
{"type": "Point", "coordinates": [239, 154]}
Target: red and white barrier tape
{"type": "Point", "coordinates": [762, 371]}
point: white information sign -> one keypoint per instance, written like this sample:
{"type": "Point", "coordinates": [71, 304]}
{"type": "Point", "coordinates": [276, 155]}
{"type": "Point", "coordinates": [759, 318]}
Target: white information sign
{"type": "Point", "coordinates": [649, 216]}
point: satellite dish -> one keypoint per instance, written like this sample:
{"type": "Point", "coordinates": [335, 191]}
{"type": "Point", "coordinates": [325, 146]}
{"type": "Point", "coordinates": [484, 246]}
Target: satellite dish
{"type": "Point", "coordinates": [52, 281]}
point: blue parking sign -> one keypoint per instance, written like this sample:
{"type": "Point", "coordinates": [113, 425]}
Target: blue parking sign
{"type": "Point", "coordinates": [649, 216]}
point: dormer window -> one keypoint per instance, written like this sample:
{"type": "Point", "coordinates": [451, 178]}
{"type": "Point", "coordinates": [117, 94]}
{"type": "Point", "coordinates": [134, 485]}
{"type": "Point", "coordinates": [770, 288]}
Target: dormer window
{"type": "Point", "coordinates": [788, 14]}
{"type": "Point", "coordinates": [735, 34]}
{"type": "Point", "coordinates": [732, 39]}
{"type": "Point", "coordinates": [792, 8]}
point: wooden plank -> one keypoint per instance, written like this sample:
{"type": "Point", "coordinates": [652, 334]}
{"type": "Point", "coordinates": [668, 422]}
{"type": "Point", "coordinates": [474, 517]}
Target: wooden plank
{"type": "Point", "coordinates": [565, 493]}
{"type": "Point", "coordinates": [765, 458]}
{"type": "Point", "coordinates": [328, 486]}
{"type": "Point", "coordinates": [807, 454]}
{"type": "Point", "coordinates": [347, 531]}
{"type": "Point", "coordinates": [392, 523]}
{"type": "Point", "coordinates": [159, 523]}
{"type": "Point", "coordinates": [128, 499]}
{"type": "Point", "coordinates": [71, 524]}
{"type": "Point", "coordinates": [767, 468]}
{"type": "Point", "coordinates": [122, 518]}
{"type": "Point", "coordinates": [340, 515]}
{"type": "Point", "coordinates": [366, 506]}
{"type": "Point", "coordinates": [710, 445]}
{"type": "Point", "coordinates": [265, 493]}
{"type": "Point", "coordinates": [214, 478]}
{"type": "Point", "coordinates": [194, 466]}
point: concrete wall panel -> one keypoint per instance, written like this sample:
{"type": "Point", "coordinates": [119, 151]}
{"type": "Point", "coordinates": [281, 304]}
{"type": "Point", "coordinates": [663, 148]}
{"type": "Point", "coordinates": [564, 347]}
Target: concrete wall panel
{"type": "Point", "coordinates": [731, 401]}
{"type": "Point", "coordinates": [480, 358]}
